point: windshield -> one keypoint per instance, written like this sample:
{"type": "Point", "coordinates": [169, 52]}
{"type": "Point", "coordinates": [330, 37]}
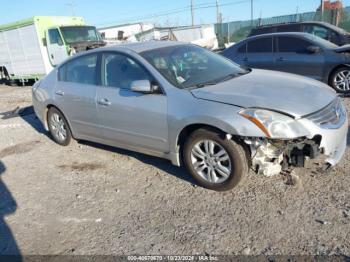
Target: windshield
{"type": "Point", "coordinates": [321, 42]}
{"type": "Point", "coordinates": [74, 34]}
{"type": "Point", "coordinates": [337, 29]}
{"type": "Point", "coordinates": [188, 66]}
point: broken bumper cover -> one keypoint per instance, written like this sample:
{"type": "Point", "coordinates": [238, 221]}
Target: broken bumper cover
{"type": "Point", "coordinates": [333, 138]}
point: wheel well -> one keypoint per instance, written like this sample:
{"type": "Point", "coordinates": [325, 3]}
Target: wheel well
{"type": "Point", "coordinates": [47, 111]}
{"type": "Point", "coordinates": [332, 72]}
{"type": "Point", "coordinates": [188, 130]}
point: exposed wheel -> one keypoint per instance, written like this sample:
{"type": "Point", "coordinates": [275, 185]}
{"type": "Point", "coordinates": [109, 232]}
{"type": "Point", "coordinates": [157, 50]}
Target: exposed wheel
{"type": "Point", "coordinates": [215, 162]}
{"type": "Point", "coordinates": [340, 80]}
{"type": "Point", "coordinates": [58, 127]}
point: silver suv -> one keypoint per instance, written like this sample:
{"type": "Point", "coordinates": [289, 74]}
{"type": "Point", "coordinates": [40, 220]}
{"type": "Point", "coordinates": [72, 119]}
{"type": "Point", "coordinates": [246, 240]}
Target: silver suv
{"type": "Point", "coordinates": [191, 106]}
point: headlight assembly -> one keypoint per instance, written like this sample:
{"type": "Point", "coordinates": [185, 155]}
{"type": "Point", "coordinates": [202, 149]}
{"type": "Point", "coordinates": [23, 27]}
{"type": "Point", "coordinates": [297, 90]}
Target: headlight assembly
{"type": "Point", "coordinates": [273, 124]}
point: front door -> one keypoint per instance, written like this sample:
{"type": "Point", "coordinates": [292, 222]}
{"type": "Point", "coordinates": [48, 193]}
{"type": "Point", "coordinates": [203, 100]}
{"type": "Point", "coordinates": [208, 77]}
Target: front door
{"type": "Point", "coordinates": [55, 47]}
{"type": "Point", "coordinates": [130, 118]}
{"type": "Point", "coordinates": [75, 95]}
{"type": "Point", "coordinates": [292, 56]}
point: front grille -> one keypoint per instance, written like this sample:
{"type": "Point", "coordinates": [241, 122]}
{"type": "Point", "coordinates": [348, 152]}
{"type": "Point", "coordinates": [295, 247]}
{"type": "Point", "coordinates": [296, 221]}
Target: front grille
{"type": "Point", "coordinates": [332, 116]}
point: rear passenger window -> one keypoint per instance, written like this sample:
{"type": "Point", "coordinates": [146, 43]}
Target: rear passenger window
{"type": "Point", "coordinates": [80, 70]}
{"type": "Point", "coordinates": [288, 28]}
{"type": "Point", "coordinates": [262, 45]}
{"type": "Point", "coordinates": [242, 49]}
{"type": "Point", "coordinates": [292, 45]}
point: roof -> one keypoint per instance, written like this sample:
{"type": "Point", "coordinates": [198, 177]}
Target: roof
{"type": "Point", "coordinates": [279, 34]}
{"type": "Point", "coordinates": [20, 23]}
{"type": "Point", "coordinates": [294, 23]}
{"type": "Point", "coordinates": [140, 47]}
{"type": "Point", "coordinates": [44, 19]}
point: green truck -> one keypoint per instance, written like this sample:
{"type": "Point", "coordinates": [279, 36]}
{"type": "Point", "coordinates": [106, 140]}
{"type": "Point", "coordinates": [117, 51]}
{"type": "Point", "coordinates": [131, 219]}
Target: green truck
{"type": "Point", "coordinates": [31, 48]}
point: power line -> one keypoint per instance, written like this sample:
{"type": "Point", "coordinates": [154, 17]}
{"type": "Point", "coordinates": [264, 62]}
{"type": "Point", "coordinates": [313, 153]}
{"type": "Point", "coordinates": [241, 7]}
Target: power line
{"type": "Point", "coordinates": [206, 5]}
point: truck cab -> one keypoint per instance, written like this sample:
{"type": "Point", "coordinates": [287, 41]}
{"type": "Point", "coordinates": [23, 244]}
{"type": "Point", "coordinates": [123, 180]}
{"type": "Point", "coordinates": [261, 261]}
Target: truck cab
{"type": "Point", "coordinates": [65, 41]}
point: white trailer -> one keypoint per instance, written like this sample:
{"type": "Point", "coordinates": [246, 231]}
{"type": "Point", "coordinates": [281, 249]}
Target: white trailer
{"type": "Point", "coordinates": [31, 48]}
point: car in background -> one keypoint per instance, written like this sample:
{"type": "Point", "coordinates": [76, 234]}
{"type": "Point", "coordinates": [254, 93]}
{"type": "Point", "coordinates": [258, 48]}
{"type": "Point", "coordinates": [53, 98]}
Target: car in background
{"type": "Point", "coordinates": [324, 30]}
{"type": "Point", "coordinates": [194, 107]}
{"type": "Point", "coordinates": [297, 53]}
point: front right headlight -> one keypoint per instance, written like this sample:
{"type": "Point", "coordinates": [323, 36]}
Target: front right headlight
{"type": "Point", "coordinates": [273, 124]}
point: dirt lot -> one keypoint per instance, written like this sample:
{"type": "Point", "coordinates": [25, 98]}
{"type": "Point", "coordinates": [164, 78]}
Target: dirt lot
{"type": "Point", "coordinates": [91, 199]}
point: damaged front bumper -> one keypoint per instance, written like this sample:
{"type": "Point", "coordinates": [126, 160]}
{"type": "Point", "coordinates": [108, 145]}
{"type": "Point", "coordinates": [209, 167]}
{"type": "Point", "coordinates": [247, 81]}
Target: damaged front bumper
{"type": "Point", "coordinates": [327, 137]}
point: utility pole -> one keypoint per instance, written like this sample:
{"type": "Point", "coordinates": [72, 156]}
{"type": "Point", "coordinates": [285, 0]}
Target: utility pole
{"type": "Point", "coordinates": [322, 9]}
{"type": "Point", "coordinates": [252, 11]}
{"type": "Point", "coordinates": [192, 12]}
{"type": "Point", "coordinates": [72, 6]}
{"type": "Point", "coordinates": [218, 14]}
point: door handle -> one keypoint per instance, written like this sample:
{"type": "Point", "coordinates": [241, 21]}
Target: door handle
{"type": "Point", "coordinates": [52, 57]}
{"type": "Point", "coordinates": [281, 59]}
{"type": "Point", "coordinates": [104, 102]}
{"type": "Point", "coordinates": [59, 93]}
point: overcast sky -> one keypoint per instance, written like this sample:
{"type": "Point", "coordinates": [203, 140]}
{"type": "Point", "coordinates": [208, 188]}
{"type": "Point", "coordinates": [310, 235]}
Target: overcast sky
{"type": "Point", "coordinates": [164, 12]}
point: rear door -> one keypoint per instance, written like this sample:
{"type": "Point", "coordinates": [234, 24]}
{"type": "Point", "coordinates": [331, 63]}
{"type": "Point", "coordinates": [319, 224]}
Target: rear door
{"type": "Point", "coordinates": [55, 47]}
{"type": "Point", "coordinates": [292, 56]}
{"type": "Point", "coordinates": [75, 94]}
{"type": "Point", "coordinates": [260, 53]}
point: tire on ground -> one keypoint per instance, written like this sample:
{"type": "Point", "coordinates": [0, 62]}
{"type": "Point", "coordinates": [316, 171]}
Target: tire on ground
{"type": "Point", "coordinates": [68, 139]}
{"type": "Point", "coordinates": [332, 79]}
{"type": "Point", "coordinates": [236, 152]}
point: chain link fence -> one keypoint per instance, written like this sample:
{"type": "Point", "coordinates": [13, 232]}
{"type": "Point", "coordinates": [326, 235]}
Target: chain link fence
{"type": "Point", "coordinates": [236, 31]}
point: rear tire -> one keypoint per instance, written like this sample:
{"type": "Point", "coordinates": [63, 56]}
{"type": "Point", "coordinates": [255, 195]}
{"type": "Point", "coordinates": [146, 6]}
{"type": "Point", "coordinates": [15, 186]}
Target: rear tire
{"type": "Point", "coordinates": [340, 80]}
{"type": "Point", "coordinates": [58, 127]}
{"type": "Point", "coordinates": [215, 162]}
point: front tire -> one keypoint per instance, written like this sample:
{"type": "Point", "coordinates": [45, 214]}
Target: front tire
{"type": "Point", "coordinates": [58, 127]}
{"type": "Point", "coordinates": [340, 80]}
{"type": "Point", "coordinates": [215, 162]}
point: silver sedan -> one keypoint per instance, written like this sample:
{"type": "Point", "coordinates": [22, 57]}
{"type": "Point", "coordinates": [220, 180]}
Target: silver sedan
{"type": "Point", "coordinates": [191, 106]}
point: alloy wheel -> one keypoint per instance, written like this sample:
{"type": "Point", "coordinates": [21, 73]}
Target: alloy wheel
{"type": "Point", "coordinates": [58, 127]}
{"type": "Point", "coordinates": [342, 80]}
{"type": "Point", "coordinates": [211, 161]}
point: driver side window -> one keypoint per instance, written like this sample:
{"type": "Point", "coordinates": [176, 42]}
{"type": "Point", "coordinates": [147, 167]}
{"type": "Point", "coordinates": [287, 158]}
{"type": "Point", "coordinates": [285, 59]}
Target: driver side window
{"type": "Point", "coordinates": [120, 71]}
{"type": "Point", "coordinates": [55, 37]}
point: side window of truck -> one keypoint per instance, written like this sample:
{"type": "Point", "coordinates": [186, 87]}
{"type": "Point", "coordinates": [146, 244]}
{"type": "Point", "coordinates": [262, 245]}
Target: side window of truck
{"type": "Point", "coordinates": [55, 37]}
{"type": "Point", "coordinates": [81, 70]}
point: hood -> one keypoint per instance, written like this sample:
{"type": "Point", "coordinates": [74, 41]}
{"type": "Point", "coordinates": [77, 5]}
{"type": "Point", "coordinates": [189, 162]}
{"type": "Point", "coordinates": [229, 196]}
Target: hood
{"type": "Point", "coordinates": [291, 94]}
{"type": "Point", "coordinates": [343, 49]}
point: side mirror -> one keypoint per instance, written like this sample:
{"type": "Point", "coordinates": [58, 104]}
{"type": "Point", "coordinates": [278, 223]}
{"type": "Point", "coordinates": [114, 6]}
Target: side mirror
{"type": "Point", "coordinates": [142, 86]}
{"type": "Point", "coordinates": [314, 49]}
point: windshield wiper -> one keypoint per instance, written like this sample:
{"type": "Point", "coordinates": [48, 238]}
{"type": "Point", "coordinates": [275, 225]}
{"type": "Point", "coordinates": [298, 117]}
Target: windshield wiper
{"type": "Point", "coordinates": [216, 81]}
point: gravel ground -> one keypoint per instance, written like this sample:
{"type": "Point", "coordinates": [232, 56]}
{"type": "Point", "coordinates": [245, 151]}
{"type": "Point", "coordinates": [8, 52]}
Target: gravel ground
{"type": "Point", "coordinates": [91, 199]}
